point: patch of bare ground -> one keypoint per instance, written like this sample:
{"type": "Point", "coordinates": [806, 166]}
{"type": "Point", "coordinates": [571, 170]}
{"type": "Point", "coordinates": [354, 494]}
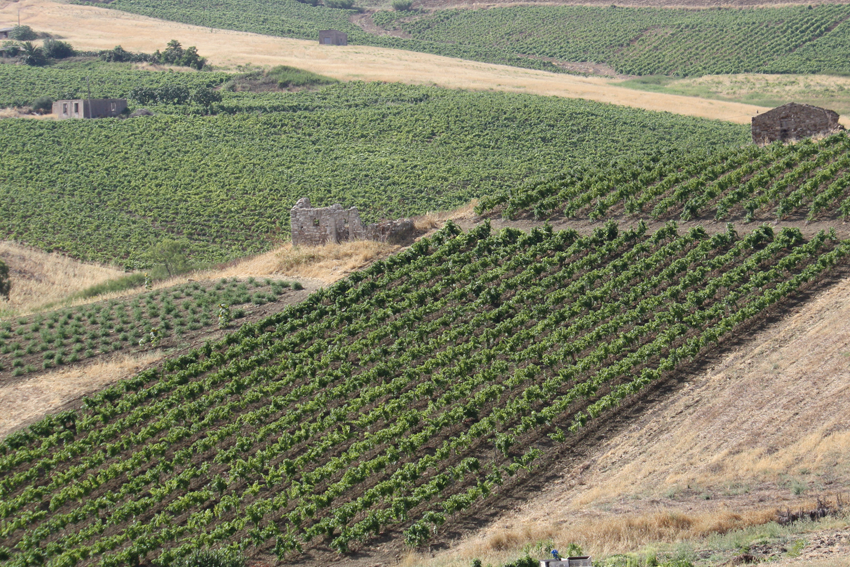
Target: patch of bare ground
{"type": "Point", "coordinates": [364, 21]}
{"type": "Point", "coordinates": [95, 28]}
{"type": "Point", "coordinates": [584, 68]}
{"type": "Point", "coordinates": [39, 278]}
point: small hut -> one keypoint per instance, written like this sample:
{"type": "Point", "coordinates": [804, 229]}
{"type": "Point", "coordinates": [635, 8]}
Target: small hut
{"type": "Point", "coordinates": [89, 107]}
{"type": "Point", "coordinates": [333, 37]}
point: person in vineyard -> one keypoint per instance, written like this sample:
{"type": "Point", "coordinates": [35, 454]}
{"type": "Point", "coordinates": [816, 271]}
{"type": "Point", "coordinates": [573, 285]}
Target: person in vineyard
{"type": "Point", "coordinates": [153, 337]}
{"type": "Point", "coordinates": [224, 315]}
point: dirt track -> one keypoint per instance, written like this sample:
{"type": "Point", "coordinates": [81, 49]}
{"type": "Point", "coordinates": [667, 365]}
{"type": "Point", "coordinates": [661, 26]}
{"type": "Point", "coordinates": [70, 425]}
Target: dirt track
{"type": "Point", "coordinates": [88, 27]}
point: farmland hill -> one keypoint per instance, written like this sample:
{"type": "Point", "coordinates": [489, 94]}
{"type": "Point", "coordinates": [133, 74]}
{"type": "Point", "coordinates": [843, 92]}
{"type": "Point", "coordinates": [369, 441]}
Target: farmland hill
{"type": "Point", "coordinates": [96, 28]}
{"type": "Point", "coordinates": [236, 168]}
{"type": "Point", "coordinates": [396, 402]}
{"type": "Point", "coordinates": [637, 338]}
{"type": "Point", "coordinates": [632, 41]}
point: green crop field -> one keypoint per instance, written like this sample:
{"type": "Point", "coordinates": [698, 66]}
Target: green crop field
{"type": "Point", "coordinates": [804, 181]}
{"type": "Point", "coordinates": [178, 314]}
{"type": "Point", "coordinates": [644, 41]}
{"type": "Point", "coordinates": [227, 182]}
{"type": "Point", "coordinates": [638, 41]}
{"type": "Point", "coordinates": [394, 401]}
{"type": "Point", "coordinates": [24, 84]}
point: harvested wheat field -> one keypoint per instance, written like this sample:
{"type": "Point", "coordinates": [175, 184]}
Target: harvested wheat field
{"type": "Point", "coordinates": [88, 27]}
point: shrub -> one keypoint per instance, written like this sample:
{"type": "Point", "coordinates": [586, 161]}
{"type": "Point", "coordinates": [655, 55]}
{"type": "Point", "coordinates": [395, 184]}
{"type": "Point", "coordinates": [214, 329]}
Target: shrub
{"type": "Point", "coordinates": [174, 54]}
{"type": "Point", "coordinates": [22, 33]}
{"type": "Point", "coordinates": [42, 104]}
{"type": "Point", "coordinates": [402, 5]}
{"type": "Point", "coordinates": [5, 283]}
{"type": "Point", "coordinates": [11, 49]}
{"type": "Point", "coordinates": [341, 4]}
{"type": "Point", "coordinates": [205, 96]}
{"type": "Point", "coordinates": [120, 55]}
{"type": "Point", "coordinates": [294, 77]}
{"type": "Point", "coordinates": [56, 49]}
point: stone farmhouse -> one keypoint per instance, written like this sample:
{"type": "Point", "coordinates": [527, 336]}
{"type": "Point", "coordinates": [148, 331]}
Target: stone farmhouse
{"type": "Point", "coordinates": [4, 32]}
{"type": "Point", "coordinates": [89, 107]}
{"type": "Point", "coordinates": [794, 121]}
{"type": "Point", "coordinates": [316, 226]}
{"type": "Point", "coordinates": [333, 37]}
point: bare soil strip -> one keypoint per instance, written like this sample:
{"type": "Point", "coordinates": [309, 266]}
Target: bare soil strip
{"type": "Point", "coordinates": [88, 27]}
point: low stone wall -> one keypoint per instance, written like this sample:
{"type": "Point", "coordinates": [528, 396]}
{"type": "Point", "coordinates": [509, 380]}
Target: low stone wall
{"type": "Point", "coordinates": [316, 226]}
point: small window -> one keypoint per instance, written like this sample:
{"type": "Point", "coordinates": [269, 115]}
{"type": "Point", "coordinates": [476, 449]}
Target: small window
{"type": "Point", "coordinates": [65, 108]}
{"type": "Point", "coordinates": [113, 107]}
{"type": "Point", "coordinates": [315, 222]}
{"type": "Point", "coordinates": [76, 108]}
{"type": "Point", "coordinates": [327, 41]}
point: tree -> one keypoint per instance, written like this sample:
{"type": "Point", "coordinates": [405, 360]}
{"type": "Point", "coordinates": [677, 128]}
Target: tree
{"type": "Point", "coordinates": [5, 281]}
{"type": "Point", "coordinates": [174, 54]}
{"type": "Point", "coordinates": [172, 255]}
{"type": "Point", "coordinates": [22, 33]}
{"type": "Point", "coordinates": [32, 55]}
{"type": "Point", "coordinates": [402, 5]}
{"type": "Point", "coordinates": [56, 49]}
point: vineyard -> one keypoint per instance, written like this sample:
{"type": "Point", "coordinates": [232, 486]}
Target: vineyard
{"type": "Point", "coordinates": [640, 41]}
{"type": "Point", "coordinates": [636, 41]}
{"type": "Point", "coordinates": [69, 335]}
{"type": "Point", "coordinates": [227, 182]}
{"type": "Point", "coordinates": [23, 84]}
{"type": "Point", "coordinates": [392, 401]}
{"type": "Point", "coordinates": [809, 180]}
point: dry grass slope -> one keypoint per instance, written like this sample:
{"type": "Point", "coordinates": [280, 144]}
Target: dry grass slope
{"type": "Point", "coordinates": [29, 400]}
{"type": "Point", "coordinates": [39, 278]}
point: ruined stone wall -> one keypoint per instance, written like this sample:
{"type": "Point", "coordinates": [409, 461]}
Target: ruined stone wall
{"type": "Point", "coordinates": [793, 122]}
{"type": "Point", "coordinates": [314, 227]}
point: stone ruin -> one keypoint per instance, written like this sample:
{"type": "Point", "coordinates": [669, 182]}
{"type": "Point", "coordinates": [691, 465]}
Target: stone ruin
{"type": "Point", "coordinates": [794, 122]}
{"type": "Point", "coordinates": [317, 226]}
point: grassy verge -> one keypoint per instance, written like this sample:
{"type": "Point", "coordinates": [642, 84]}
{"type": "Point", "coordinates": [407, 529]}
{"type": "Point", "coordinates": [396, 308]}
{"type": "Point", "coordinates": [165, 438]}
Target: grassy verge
{"type": "Point", "coordinates": [831, 92]}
